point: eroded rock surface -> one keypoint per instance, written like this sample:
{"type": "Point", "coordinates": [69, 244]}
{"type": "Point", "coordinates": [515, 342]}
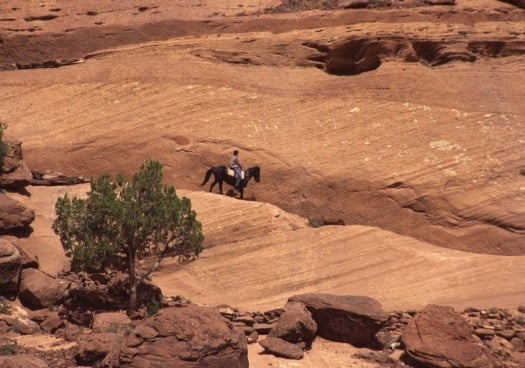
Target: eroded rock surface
{"type": "Point", "coordinates": [440, 337]}
{"type": "Point", "coordinates": [13, 214]}
{"type": "Point", "coordinates": [10, 266]}
{"type": "Point", "coordinates": [39, 290]}
{"type": "Point", "coordinates": [185, 337]}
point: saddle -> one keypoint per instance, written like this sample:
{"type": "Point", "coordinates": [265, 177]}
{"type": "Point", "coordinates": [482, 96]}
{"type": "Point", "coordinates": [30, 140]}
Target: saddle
{"type": "Point", "coordinates": [230, 172]}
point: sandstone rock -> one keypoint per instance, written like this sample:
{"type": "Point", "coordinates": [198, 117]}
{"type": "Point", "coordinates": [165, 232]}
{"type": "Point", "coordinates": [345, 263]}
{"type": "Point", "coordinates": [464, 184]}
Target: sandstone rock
{"type": "Point", "coordinates": [14, 172]}
{"type": "Point", "coordinates": [485, 333]}
{"type": "Point", "coordinates": [25, 326]}
{"type": "Point", "coordinates": [94, 347]}
{"type": "Point", "coordinates": [13, 214]}
{"type": "Point", "coordinates": [245, 319]}
{"type": "Point", "coordinates": [281, 348]}
{"type": "Point", "coordinates": [38, 290]}
{"type": "Point", "coordinates": [252, 337]}
{"type": "Point", "coordinates": [4, 326]}
{"type": "Point", "coordinates": [351, 319]}
{"type": "Point", "coordinates": [40, 315]}
{"type": "Point", "coordinates": [22, 361]}
{"type": "Point", "coordinates": [53, 323]}
{"type": "Point", "coordinates": [440, 2]}
{"type": "Point", "coordinates": [520, 3]}
{"type": "Point", "coordinates": [295, 325]}
{"type": "Point", "coordinates": [518, 344]}
{"type": "Point", "coordinates": [114, 322]}
{"type": "Point", "coordinates": [439, 337]}
{"type": "Point", "coordinates": [263, 328]}
{"type": "Point", "coordinates": [10, 266]}
{"type": "Point", "coordinates": [71, 332]}
{"type": "Point", "coordinates": [185, 337]}
{"type": "Point", "coordinates": [352, 4]}
{"type": "Point", "coordinates": [29, 259]}
{"type": "Point", "coordinates": [506, 334]}
{"type": "Point", "coordinates": [80, 317]}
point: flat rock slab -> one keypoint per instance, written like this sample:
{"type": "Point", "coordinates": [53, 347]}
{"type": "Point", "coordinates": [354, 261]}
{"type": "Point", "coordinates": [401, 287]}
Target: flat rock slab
{"type": "Point", "coordinates": [345, 318]}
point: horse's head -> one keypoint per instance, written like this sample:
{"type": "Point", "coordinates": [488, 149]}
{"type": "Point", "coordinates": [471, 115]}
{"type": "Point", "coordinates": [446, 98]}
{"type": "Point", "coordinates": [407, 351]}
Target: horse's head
{"type": "Point", "coordinates": [255, 172]}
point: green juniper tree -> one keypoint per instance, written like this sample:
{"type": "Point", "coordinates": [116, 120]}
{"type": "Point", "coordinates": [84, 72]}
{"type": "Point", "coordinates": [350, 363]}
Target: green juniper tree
{"type": "Point", "coordinates": [124, 220]}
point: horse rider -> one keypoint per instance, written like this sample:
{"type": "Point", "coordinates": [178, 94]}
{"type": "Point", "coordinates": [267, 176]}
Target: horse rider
{"type": "Point", "coordinates": [236, 166]}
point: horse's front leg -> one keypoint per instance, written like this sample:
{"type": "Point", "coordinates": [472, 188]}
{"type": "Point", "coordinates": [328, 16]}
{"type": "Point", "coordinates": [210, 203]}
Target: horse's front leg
{"type": "Point", "coordinates": [220, 187]}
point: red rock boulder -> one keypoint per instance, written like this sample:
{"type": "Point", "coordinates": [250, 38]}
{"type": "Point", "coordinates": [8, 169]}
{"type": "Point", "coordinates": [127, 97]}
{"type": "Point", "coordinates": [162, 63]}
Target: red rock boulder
{"type": "Point", "coordinates": [185, 337]}
{"type": "Point", "coordinates": [439, 337]}
{"type": "Point", "coordinates": [13, 215]}
{"type": "Point", "coordinates": [10, 266]}
{"type": "Point", "coordinates": [14, 172]}
{"type": "Point", "coordinates": [39, 290]}
{"type": "Point", "coordinates": [295, 324]}
{"type": "Point", "coordinates": [345, 318]}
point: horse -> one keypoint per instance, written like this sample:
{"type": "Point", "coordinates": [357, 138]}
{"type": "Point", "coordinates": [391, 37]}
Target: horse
{"type": "Point", "coordinates": [221, 175]}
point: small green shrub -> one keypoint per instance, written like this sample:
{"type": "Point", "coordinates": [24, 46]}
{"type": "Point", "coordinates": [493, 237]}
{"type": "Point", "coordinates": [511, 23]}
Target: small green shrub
{"type": "Point", "coordinates": [5, 305]}
{"type": "Point", "coordinates": [8, 348]}
{"type": "Point", "coordinates": [112, 328]}
{"type": "Point", "coordinates": [315, 223]}
{"type": "Point", "coordinates": [153, 307]}
{"type": "Point", "coordinates": [128, 330]}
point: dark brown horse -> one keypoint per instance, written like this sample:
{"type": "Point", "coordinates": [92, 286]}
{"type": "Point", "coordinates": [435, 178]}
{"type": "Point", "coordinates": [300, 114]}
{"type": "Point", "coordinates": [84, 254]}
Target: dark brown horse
{"type": "Point", "coordinates": [221, 175]}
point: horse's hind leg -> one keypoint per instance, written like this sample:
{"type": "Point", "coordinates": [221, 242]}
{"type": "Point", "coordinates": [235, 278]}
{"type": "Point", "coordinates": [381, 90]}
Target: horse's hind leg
{"type": "Point", "coordinates": [212, 185]}
{"type": "Point", "coordinates": [220, 187]}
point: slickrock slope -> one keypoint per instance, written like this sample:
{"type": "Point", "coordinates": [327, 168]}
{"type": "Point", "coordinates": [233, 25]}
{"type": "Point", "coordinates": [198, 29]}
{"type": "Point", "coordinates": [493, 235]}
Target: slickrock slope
{"type": "Point", "coordinates": [256, 256]}
{"type": "Point", "coordinates": [259, 267]}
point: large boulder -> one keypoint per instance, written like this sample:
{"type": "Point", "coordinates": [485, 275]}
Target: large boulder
{"type": "Point", "coordinates": [97, 347]}
{"type": "Point", "coordinates": [345, 318]}
{"type": "Point", "coordinates": [39, 290]}
{"type": "Point", "coordinates": [115, 322]}
{"type": "Point", "coordinates": [14, 172]}
{"type": "Point", "coordinates": [184, 337]}
{"type": "Point", "coordinates": [296, 324]}
{"type": "Point", "coordinates": [10, 266]}
{"type": "Point", "coordinates": [439, 337]}
{"type": "Point", "coordinates": [13, 215]}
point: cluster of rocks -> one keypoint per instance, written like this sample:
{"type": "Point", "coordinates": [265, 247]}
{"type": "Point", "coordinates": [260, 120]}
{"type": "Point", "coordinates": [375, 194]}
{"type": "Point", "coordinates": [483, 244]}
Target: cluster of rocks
{"type": "Point", "coordinates": [73, 310]}
{"type": "Point", "coordinates": [15, 218]}
{"type": "Point", "coordinates": [436, 336]}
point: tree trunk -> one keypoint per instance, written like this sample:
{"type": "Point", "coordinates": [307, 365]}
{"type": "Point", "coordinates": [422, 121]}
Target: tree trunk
{"type": "Point", "coordinates": [132, 279]}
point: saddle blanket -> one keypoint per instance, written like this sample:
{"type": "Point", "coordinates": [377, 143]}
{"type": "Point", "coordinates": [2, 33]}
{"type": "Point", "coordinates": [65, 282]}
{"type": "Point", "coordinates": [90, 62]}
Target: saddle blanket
{"type": "Point", "coordinates": [232, 173]}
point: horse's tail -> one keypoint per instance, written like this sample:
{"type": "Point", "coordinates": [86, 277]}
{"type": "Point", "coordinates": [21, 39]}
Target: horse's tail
{"type": "Point", "coordinates": [207, 176]}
